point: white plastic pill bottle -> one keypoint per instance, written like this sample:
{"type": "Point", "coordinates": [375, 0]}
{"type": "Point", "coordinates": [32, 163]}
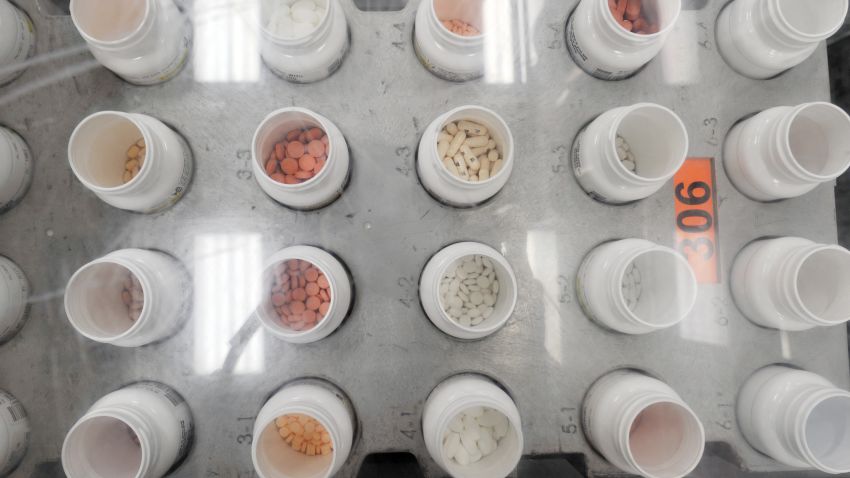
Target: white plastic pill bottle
{"type": "Point", "coordinates": [97, 152]}
{"type": "Point", "coordinates": [317, 399]}
{"type": "Point", "coordinates": [606, 50]}
{"type": "Point", "coordinates": [791, 283]}
{"type": "Point", "coordinates": [635, 286]}
{"type": "Point", "coordinates": [653, 134]}
{"type": "Point", "coordinates": [445, 186]}
{"type": "Point", "coordinates": [145, 42]}
{"type": "Point", "coordinates": [462, 394]}
{"type": "Point", "coordinates": [446, 54]}
{"type": "Point", "coordinates": [436, 298]}
{"type": "Point", "coordinates": [642, 426]}
{"type": "Point", "coordinates": [786, 151]}
{"type": "Point", "coordinates": [16, 167]}
{"type": "Point", "coordinates": [797, 418]}
{"type": "Point", "coordinates": [17, 41]}
{"type": "Point", "coordinates": [14, 432]}
{"type": "Point", "coordinates": [141, 431]}
{"type": "Point", "coordinates": [95, 308]}
{"type": "Point", "coordinates": [14, 297]}
{"type": "Point", "coordinates": [762, 38]}
{"type": "Point", "coordinates": [320, 190]}
{"type": "Point", "coordinates": [310, 55]}
{"type": "Point", "coordinates": [341, 294]}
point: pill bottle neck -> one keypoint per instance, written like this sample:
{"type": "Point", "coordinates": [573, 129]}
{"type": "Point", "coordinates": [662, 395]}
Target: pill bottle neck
{"type": "Point", "coordinates": [149, 174]}
{"type": "Point", "coordinates": [310, 41]}
{"type": "Point", "coordinates": [142, 427]}
{"type": "Point", "coordinates": [618, 37]}
{"type": "Point", "coordinates": [768, 17]}
{"type": "Point", "coordinates": [448, 40]}
{"type": "Point", "coordinates": [786, 291]}
{"type": "Point", "coordinates": [145, 29]}
{"type": "Point", "coordinates": [628, 412]}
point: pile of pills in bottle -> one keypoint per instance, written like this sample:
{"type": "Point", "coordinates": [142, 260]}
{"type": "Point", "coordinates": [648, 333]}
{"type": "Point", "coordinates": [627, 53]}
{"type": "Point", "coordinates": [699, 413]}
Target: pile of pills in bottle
{"type": "Point", "coordinates": [632, 16]}
{"type": "Point", "coordinates": [469, 290]}
{"type": "Point", "coordinates": [299, 157]}
{"type": "Point", "coordinates": [460, 27]}
{"type": "Point", "coordinates": [133, 296]}
{"type": "Point", "coordinates": [468, 151]}
{"type": "Point", "coordinates": [134, 161]}
{"type": "Point", "coordinates": [632, 286]}
{"type": "Point", "coordinates": [304, 434]}
{"type": "Point", "coordinates": [624, 152]}
{"type": "Point", "coordinates": [295, 19]}
{"type": "Point", "coordinates": [300, 294]}
{"type": "Point", "coordinates": [474, 434]}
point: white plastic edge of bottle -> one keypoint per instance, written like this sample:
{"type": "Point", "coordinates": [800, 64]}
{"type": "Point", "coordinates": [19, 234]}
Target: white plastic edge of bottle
{"type": "Point", "coordinates": [610, 409]}
{"type": "Point", "coordinates": [153, 52]}
{"type": "Point", "coordinates": [429, 290]}
{"type": "Point", "coordinates": [792, 284]}
{"type": "Point", "coordinates": [14, 296]}
{"type": "Point", "coordinates": [17, 42]}
{"type": "Point", "coordinates": [604, 49]}
{"type": "Point", "coordinates": [758, 40]}
{"type": "Point", "coordinates": [760, 159]}
{"type": "Point", "coordinates": [341, 294]}
{"type": "Point", "coordinates": [14, 432]}
{"type": "Point", "coordinates": [16, 167]}
{"type": "Point", "coordinates": [442, 184]}
{"type": "Point", "coordinates": [601, 275]}
{"type": "Point", "coordinates": [317, 399]}
{"type": "Point", "coordinates": [101, 316]}
{"type": "Point", "coordinates": [312, 57]}
{"type": "Point", "coordinates": [97, 159]}
{"type": "Point", "coordinates": [320, 190]}
{"type": "Point", "coordinates": [445, 54]}
{"type": "Point", "coordinates": [457, 394]}
{"type": "Point", "coordinates": [155, 413]}
{"type": "Point", "coordinates": [781, 409]}
{"type": "Point", "coordinates": [655, 134]}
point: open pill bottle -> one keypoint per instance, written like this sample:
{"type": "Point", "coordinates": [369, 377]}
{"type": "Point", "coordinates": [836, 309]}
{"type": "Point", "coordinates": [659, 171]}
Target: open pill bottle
{"type": "Point", "coordinates": [635, 286]}
{"type": "Point", "coordinates": [439, 181]}
{"type": "Point", "coordinates": [306, 294]}
{"type": "Point", "coordinates": [791, 283]}
{"type": "Point", "coordinates": [322, 408]}
{"type": "Point", "coordinates": [304, 55]}
{"type": "Point", "coordinates": [142, 430]}
{"type": "Point", "coordinates": [457, 405]}
{"type": "Point", "coordinates": [14, 432]}
{"type": "Point", "coordinates": [145, 42]}
{"type": "Point", "coordinates": [270, 140]}
{"type": "Point", "coordinates": [98, 152]}
{"type": "Point", "coordinates": [14, 297]}
{"type": "Point", "coordinates": [17, 41]}
{"type": "Point", "coordinates": [468, 290]}
{"type": "Point", "coordinates": [796, 417]}
{"type": "Point", "coordinates": [16, 166]}
{"type": "Point", "coordinates": [605, 49]}
{"type": "Point", "coordinates": [787, 151]}
{"type": "Point", "coordinates": [446, 54]}
{"type": "Point", "coordinates": [96, 297]}
{"type": "Point", "coordinates": [642, 426]}
{"type": "Point", "coordinates": [655, 143]}
{"type": "Point", "coordinates": [762, 38]}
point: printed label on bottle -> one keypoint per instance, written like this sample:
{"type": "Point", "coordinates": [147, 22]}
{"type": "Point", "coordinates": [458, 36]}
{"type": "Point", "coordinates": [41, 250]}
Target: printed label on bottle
{"type": "Point", "coordinates": [24, 43]}
{"type": "Point", "coordinates": [174, 66]}
{"type": "Point", "coordinates": [12, 275]}
{"type": "Point", "coordinates": [21, 158]}
{"type": "Point", "coordinates": [442, 72]}
{"type": "Point", "coordinates": [585, 62]}
{"type": "Point", "coordinates": [184, 415]}
{"type": "Point", "coordinates": [303, 78]}
{"type": "Point", "coordinates": [18, 430]}
{"type": "Point", "coordinates": [182, 183]}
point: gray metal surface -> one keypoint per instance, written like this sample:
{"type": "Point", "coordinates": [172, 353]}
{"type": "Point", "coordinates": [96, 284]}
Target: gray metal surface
{"type": "Point", "coordinates": [387, 356]}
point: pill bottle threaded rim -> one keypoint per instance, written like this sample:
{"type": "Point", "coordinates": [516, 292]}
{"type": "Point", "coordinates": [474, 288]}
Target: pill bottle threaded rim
{"type": "Point", "coordinates": [131, 38]}
{"type": "Point", "coordinates": [319, 33]}
{"type": "Point", "coordinates": [473, 41]}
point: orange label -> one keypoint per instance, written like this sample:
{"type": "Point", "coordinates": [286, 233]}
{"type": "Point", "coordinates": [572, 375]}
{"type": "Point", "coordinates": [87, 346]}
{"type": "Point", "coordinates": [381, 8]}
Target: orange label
{"type": "Point", "coordinates": [696, 217]}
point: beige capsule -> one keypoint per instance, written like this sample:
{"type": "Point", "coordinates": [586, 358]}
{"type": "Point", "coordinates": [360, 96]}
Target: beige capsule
{"type": "Point", "coordinates": [497, 166]}
{"type": "Point", "coordinates": [141, 142]}
{"type": "Point", "coordinates": [456, 143]}
{"type": "Point", "coordinates": [473, 129]}
{"type": "Point", "coordinates": [479, 151]}
{"type": "Point", "coordinates": [450, 165]}
{"type": "Point", "coordinates": [451, 128]}
{"type": "Point", "coordinates": [443, 148]}
{"type": "Point", "coordinates": [477, 141]}
{"type": "Point", "coordinates": [128, 176]}
{"type": "Point", "coordinates": [131, 164]}
{"type": "Point", "coordinates": [133, 152]}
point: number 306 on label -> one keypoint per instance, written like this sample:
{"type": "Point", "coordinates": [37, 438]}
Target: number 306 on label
{"type": "Point", "coordinates": [696, 217]}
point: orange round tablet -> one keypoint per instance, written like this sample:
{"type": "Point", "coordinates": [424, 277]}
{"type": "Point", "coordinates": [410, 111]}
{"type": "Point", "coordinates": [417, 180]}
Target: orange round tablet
{"type": "Point", "coordinates": [278, 299]}
{"type": "Point", "coordinates": [312, 274]}
{"type": "Point", "coordinates": [278, 151]}
{"type": "Point", "coordinates": [316, 148]}
{"type": "Point", "coordinates": [293, 135]}
{"type": "Point", "coordinates": [313, 302]}
{"type": "Point", "coordinates": [315, 133]}
{"type": "Point", "coordinates": [271, 166]}
{"type": "Point", "coordinates": [323, 282]}
{"type": "Point", "coordinates": [312, 288]}
{"type": "Point", "coordinates": [310, 316]}
{"type": "Point", "coordinates": [323, 308]}
{"type": "Point", "coordinates": [289, 166]}
{"type": "Point", "coordinates": [295, 149]}
{"type": "Point", "coordinates": [320, 163]}
{"type": "Point", "coordinates": [278, 177]}
{"type": "Point", "coordinates": [297, 307]}
{"type": "Point", "coordinates": [307, 162]}
{"type": "Point", "coordinates": [299, 294]}
{"type": "Point", "coordinates": [290, 179]}
{"type": "Point", "coordinates": [304, 175]}
{"type": "Point", "coordinates": [323, 294]}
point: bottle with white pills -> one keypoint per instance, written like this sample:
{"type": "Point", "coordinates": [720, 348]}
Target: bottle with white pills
{"type": "Point", "coordinates": [303, 40]}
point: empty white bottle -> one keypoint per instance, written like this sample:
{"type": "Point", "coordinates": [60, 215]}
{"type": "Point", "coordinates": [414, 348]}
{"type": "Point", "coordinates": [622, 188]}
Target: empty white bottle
{"type": "Point", "coordinates": [140, 431]}
{"type": "Point", "coordinates": [786, 151]}
{"type": "Point", "coordinates": [143, 41]}
{"type": "Point", "coordinates": [763, 38]}
{"type": "Point", "coordinates": [642, 426]}
{"type": "Point", "coordinates": [14, 299]}
{"type": "Point", "coordinates": [798, 418]}
{"type": "Point", "coordinates": [791, 283]}
{"type": "Point", "coordinates": [16, 167]}
{"type": "Point", "coordinates": [17, 41]}
{"type": "Point", "coordinates": [14, 432]}
{"type": "Point", "coordinates": [635, 286]}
